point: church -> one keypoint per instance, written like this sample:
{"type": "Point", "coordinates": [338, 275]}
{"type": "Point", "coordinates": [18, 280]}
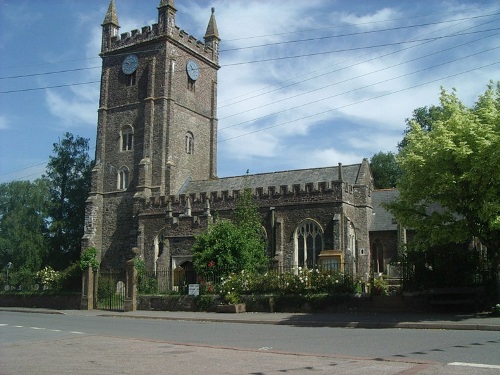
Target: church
{"type": "Point", "coordinates": [155, 184]}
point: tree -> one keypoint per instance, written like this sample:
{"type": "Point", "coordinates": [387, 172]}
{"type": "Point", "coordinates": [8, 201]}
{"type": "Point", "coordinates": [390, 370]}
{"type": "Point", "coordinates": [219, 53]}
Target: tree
{"type": "Point", "coordinates": [385, 170]}
{"type": "Point", "coordinates": [424, 117]}
{"type": "Point", "coordinates": [449, 189]}
{"type": "Point", "coordinates": [23, 224]}
{"type": "Point", "coordinates": [69, 173]}
{"type": "Point", "coordinates": [237, 244]}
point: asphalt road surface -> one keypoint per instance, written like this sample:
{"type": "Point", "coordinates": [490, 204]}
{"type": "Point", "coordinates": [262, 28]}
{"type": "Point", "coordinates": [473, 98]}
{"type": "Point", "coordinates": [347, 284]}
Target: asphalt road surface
{"type": "Point", "coordinates": [69, 344]}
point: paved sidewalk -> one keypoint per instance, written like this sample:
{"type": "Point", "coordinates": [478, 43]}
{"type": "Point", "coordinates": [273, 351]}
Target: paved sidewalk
{"type": "Point", "coordinates": [482, 322]}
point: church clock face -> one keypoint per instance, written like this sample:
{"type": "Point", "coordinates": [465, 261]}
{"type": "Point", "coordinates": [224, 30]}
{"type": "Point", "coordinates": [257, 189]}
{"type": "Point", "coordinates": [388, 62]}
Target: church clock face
{"type": "Point", "coordinates": [130, 64]}
{"type": "Point", "coordinates": [192, 70]}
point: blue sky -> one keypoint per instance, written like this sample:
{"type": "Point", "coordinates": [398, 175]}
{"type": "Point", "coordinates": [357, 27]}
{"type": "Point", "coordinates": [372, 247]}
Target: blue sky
{"type": "Point", "coordinates": [303, 83]}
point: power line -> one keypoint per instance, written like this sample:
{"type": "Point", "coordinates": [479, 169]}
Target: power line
{"type": "Point", "coordinates": [358, 48]}
{"type": "Point", "coordinates": [262, 45]}
{"type": "Point", "coordinates": [284, 57]}
{"type": "Point", "coordinates": [352, 65]}
{"type": "Point", "coordinates": [48, 87]}
{"type": "Point", "coordinates": [49, 73]}
{"type": "Point", "coordinates": [359, 102]}
{"type": "Point", "coordinates": [245, 96]}
{"type": "Point", "coordinates": [357, 89]}
{"type": "Point", "coordinates": [357, 33]}
{"type": "Point", "coordinates": [355, 24]}
{"type": "Point", "coordinates": [426, 40]}
{"type": "Point", "coordinates": [323, 112]}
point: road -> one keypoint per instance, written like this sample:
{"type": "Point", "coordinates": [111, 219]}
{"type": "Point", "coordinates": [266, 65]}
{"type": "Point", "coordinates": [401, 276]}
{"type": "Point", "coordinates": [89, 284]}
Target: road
{"type": "Point", "coordinates": [80, 344]}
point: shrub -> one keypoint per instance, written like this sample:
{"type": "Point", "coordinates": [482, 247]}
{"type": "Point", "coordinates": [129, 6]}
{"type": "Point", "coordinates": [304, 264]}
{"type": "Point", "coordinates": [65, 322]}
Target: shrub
{"type": "Point", "coordinates": [380, 287]}
{"type": "Point", "coordinates": [49, 278]}
{"type": "Point", "coordinates": [89, 259]}
{"type": "Point", "coordinates": [23, 280]}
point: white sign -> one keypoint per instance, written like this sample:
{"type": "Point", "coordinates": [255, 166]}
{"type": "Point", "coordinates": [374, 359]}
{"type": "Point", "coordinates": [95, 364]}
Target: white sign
{"type": "Point", "coordinates": [194, 289]}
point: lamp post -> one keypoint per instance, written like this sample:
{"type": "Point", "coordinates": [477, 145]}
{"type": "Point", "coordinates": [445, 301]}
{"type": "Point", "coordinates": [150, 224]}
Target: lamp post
{"type": "Point", "coordinates": [8, 267]}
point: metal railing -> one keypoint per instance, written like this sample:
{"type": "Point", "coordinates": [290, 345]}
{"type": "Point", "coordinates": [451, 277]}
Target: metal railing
{"type": "Point", "coordinates": [273, 278]}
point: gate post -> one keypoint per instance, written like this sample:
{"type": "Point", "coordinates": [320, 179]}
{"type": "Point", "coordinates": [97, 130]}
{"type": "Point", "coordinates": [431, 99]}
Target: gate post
{"type": "Point", "coordinates": [87, 302]}
{"type": "Point", "coordinates": [130, 302]}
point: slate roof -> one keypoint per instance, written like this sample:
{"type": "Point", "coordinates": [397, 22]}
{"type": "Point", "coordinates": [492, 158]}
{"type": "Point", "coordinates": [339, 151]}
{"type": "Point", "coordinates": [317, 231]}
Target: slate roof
{"type": "Point", "coordinates": [289, 178]}
{"type": "Point", "coordinates": [383, 219]}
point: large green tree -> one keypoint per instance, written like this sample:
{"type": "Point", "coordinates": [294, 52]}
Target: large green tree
{"type": "Point", "coordinates": [385, 170]}
{"type": "Point", "coordinates": [23, 224]}
{"type": "Point", "coordinates": [235, 244]}
{"type": "Point", "coordinates": [423, 117]}
{"type": "Point", "coordinates": [69, 172]}
{"type": "Point", "coordinates": [449, 190]}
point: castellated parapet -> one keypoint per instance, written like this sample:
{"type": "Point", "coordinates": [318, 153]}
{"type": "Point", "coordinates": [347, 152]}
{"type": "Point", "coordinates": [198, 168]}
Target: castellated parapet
{"type": "Point", "coordinates": [153, 34]}
{"type": "Point", "coordinates": [270, 196]}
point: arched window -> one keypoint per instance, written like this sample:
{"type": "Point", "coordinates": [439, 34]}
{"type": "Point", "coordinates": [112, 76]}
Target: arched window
{"type": "Point", "coordinates": [189, 143]}
{"type": "Point", "coordinates": [308, 243]}
{"type": "Point", "coordinates": [351, 237]}
{"type": "Point", "coordinates": [123, 178]}
{"type": "Point", "coordinates": [127, 138]}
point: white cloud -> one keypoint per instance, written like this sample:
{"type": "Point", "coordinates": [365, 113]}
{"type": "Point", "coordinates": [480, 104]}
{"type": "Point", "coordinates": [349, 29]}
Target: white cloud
{"type": "Point", "coordinates": [370, 21]}
{"type": "Point", "coordinates": [4, 122]}
{"type": "Point", "coordinates": [72, 108]}
{"type": "Point", "coordinates": [330, 156]}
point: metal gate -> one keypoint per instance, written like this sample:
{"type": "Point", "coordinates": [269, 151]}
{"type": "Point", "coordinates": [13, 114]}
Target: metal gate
{"type": "Point", "coordinates": [111, 290]}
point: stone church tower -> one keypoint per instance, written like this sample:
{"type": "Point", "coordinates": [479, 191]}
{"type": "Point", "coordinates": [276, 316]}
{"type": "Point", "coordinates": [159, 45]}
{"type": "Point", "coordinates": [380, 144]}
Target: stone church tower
{"type": "Point", "coordinates": [157, 124]}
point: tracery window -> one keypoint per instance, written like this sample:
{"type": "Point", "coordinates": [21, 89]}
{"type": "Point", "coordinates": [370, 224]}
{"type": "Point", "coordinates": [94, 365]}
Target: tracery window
{"type": "Point", "coordinates": [308, 243]}
{"type": "Point", "coordinates": [123, 178]}
{"type": "Point", "coordinates": [127, 138]}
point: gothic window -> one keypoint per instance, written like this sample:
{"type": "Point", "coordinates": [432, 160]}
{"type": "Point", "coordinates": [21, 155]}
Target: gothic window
{"type": "Point", "coordinates": [351, 240]}
{"type": "Point", "coordinates": [132, 79]}
{"type": "Point", "coordinates": [308, 243]}
{"type": "Point", "coordinates": [123, 178]}
{"type": "Point", "coordinates": [189, 143]}
{"type": "Point", "coordinates": [127, 138]}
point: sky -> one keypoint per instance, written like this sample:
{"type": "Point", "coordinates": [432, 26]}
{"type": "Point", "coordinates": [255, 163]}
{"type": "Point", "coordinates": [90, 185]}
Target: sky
{"type": "Point", "coordinates": [302, 84]}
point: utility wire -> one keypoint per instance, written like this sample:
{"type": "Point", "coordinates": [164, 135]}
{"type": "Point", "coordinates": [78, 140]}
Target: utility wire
{"type": "Point", "coordinates": [351, 25]}
{"type": "Point", "coordinates": [268, 44]}
{"type": "Point", "coordinates": [316, 114]}
{"type": "Point", "coordinates": [246, 98]}
{"type": "Point", "coordinates": [358, 48]}
{"type": "Point", "coordinates": [294, 82]}
{"type": "Point", "coordinates": [357, 89]}
{"type": "Point", "coordinates": [431, 39]}
{"type": "Point", "coordinates": [360, 102]}
{"type": "Point", "coordinates": [355, 33]}
{"type": "Point", "coordinates": [282, 58]}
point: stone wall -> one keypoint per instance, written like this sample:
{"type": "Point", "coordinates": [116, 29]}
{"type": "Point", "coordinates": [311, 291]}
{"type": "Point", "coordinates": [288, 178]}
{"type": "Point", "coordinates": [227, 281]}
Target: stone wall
{"type": "Point", "coordinates": [59, 302]}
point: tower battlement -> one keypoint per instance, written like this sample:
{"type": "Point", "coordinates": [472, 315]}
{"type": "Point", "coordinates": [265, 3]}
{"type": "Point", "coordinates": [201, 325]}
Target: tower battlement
{"type": "Point", "coordinates": [152, 33]}
{"type": "Point", "coordinates": [165, 28]}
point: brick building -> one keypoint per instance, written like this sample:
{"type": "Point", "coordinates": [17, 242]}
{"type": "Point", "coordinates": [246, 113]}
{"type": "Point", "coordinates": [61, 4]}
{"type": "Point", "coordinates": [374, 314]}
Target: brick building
{"type": "Point", "coordinates": [155, 183]}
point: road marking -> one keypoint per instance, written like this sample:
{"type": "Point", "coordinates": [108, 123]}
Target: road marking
{"type": "Point", "coordinates": [266, 348]}
{"type": "Point", "coordinates": [480, 365]}
{"type": "Point", "coordinates": [40, 328]}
